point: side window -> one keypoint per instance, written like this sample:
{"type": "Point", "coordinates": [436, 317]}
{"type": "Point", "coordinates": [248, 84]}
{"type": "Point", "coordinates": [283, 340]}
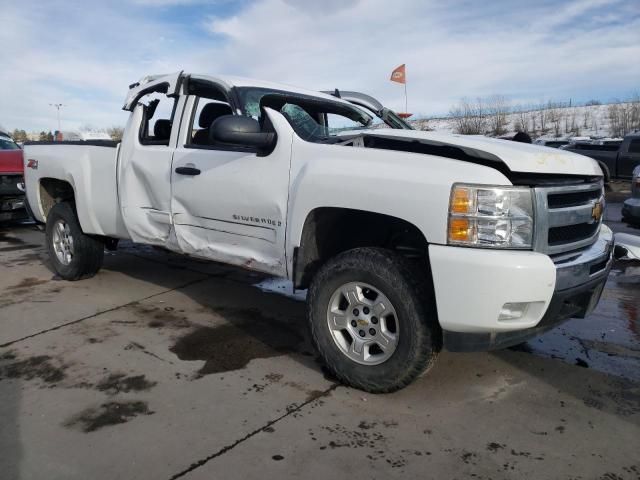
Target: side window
{"type": "Point", "coordinates": [157, 120]}
{"type": "Point", "coordinates": [206, 111]}
{"type": "Point", "coordinates": [303, 123]}
{"type": "Point", "coordinates": [337, 123]}
{"type": "Point", "coordinates": [634, 146]}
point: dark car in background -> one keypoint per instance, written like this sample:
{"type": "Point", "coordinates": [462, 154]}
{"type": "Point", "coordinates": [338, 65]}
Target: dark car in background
{"type": "Point", "coordinates": [551, 143]}
{"type": "Point", "coordinates": [631, 206]}
{"type": "Point", "coordinates": [12, 199]}
{"type": "Point", "coordinates": [616, 158]}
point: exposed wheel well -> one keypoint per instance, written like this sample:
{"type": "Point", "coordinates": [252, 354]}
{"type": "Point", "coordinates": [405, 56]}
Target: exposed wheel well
{"type": "Point", "coordinates": [329, 231]}
{"type": "Point", "coordinates": [52, 191]}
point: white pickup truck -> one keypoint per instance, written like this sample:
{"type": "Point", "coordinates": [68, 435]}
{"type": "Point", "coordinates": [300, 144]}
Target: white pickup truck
{"type": "Point", "coordinates": [407, 241]}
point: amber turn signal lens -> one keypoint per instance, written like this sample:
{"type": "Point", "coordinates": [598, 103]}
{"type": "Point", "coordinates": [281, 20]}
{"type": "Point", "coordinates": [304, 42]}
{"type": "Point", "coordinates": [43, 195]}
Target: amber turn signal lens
{"type": "Point", "coordinates": [461, 200]}
{"type": "Point", "coordinates": [459, 229]}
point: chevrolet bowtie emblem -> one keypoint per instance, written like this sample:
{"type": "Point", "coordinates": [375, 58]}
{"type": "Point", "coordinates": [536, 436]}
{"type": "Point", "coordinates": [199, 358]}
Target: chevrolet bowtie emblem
{"type": "Point", "coordinates": [596, 211]}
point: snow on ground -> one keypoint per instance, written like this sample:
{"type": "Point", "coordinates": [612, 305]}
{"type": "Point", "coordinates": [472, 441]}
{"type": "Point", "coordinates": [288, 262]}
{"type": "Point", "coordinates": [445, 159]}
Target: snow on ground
{"type": "Point", "coordinates": [590, 121]}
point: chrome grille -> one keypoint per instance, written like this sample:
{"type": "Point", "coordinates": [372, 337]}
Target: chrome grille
{"type": "Point", "coordinates": [565, 217]}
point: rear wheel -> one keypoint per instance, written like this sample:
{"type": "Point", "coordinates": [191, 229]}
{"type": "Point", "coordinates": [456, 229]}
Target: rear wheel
{"type": "Point", "coordinates": [73, 254]}
{"type": "Point", "coordinates": [372, 319]}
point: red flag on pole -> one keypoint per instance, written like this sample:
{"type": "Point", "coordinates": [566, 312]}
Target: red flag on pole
{"type": "Point", "coordinates": [399, 74]}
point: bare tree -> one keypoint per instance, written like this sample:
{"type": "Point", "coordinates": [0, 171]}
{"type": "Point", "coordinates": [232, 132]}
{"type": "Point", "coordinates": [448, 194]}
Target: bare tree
{"type": "Point", "coordinates": [554, 115]}
{"type": "Point", "coordinates": [470, 117]}
{"type": "Point", "coordinates": [497, 110]}
{"type": "Point", "coordinates": [115, 133]}
{"type": "Point", "coordinates": [570, 122]}
{"type": "Point", "coordinates": [522, 119]}
{"type": "Point", "coordinates": [532, 116]}
{"type": "Point", "coordinates": [586, 117]}
{"type": "Point", "coordinates": [624, 117]}
{"type": "Point", "coordinates": [542, 114]}
{"type": "Point", "coordinates": [19, 136]}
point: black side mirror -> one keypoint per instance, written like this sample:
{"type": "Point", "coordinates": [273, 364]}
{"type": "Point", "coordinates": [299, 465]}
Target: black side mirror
{"type": "Point", "coordinates": [240, 130]}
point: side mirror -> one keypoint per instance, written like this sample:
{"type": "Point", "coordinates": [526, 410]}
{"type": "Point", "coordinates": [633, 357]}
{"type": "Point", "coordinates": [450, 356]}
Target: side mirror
{"type": "Point", "coordinates": [240, 130]}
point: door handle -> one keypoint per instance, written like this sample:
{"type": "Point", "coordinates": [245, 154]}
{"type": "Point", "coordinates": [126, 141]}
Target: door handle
{"type": "Point", "coordinates": [187, 171]}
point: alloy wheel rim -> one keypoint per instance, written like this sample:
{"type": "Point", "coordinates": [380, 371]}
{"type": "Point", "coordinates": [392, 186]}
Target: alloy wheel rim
{"type": "Point", "coordinates": [363, 323]}
{"type": "Point", "coordinates": [62, 242]}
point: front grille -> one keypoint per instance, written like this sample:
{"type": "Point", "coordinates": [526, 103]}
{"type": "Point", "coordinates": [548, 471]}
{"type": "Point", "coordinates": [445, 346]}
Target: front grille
{"type": "Point", "coordinates": [572, 199]}
{"type": "Point", "coordinates": [566, 217]}
{"type": "Point", "coordinates": [9, 185]}
{"type": "Point", "coordinates": [571, 233]}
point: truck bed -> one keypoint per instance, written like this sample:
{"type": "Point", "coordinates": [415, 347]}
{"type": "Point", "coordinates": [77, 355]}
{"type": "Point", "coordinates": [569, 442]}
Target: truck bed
{"type": "Point", "coordinates": [90, 167]}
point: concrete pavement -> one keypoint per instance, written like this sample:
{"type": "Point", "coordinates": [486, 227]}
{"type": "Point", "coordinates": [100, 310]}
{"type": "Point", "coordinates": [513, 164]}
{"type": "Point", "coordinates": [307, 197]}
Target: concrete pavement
{"type": "Point", "coordinates": [163, 367]}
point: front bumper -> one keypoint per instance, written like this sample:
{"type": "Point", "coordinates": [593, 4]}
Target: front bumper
{"type": "Point", "coordinates": [13, 208]}
{"type": "Point", "coordinates": [12, 198]}
{"type": "Point", "coordinates": [473, 285]}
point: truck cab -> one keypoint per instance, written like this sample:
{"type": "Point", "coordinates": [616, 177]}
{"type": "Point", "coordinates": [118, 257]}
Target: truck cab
{"type": "Point", "coordinates": [618, 158]}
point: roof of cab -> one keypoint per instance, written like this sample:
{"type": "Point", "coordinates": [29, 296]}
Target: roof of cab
{"type": "Point", "coordinates": [228, 81]}
{"type": "Point", "coordinates": [233, 81]}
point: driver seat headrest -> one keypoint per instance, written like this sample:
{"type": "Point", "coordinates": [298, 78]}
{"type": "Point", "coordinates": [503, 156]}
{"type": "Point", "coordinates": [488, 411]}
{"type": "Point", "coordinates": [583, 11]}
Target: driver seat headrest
{"type": "Point", "coordinates": [211, 111]}
{"type": "Point", "coordinates": [162, 129]}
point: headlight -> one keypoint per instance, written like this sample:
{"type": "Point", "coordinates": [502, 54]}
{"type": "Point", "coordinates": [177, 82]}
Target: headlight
{"type": "Point", "coordinates": [497, 217]}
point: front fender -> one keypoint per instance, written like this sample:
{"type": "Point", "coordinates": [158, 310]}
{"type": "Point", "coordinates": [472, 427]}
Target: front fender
{"type": "Point", "coordinates": [410, 186]}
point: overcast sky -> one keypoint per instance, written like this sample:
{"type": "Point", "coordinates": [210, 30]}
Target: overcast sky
{"type": "Point", "coordinates": [84, 54]}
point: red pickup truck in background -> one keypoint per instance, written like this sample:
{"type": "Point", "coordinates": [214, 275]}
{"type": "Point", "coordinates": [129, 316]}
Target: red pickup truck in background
{"type": "Point", "coordinates": [12, 199]}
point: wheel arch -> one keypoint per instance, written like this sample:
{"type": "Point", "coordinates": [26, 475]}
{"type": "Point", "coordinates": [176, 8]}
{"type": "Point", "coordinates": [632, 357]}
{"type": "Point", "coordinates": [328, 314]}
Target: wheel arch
{"type": "Point", "coordinates": [53, 190]}
{"type": "Point", "coordinates": [328, 231]}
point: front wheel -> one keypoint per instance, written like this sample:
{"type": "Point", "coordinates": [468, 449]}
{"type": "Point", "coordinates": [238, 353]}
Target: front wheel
{"type": "Point", "coordinates": [373, 320]}
{"type": "Point", "coordinates": [73, 254]}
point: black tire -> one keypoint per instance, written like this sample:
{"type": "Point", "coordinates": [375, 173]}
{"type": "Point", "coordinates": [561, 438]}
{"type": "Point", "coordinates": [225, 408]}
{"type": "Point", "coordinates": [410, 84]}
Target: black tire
{"type": "Point", "coordinates": [88, 252]}
{"type": "Point", "coordinates": [410, 292]}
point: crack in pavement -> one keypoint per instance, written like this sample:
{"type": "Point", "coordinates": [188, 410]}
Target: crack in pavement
{"type": "Point", "coordinates": [249, 435]}
{"type": "Point", "coordinates": [97, 314]}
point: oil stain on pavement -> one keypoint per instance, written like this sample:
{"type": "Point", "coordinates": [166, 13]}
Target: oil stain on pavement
{"type": "Point", "coordinates": [107, 414]}
{"type": "Point", "coordinates": [248, 336]}
{"type": "Point", "coordinates": [40, 367]}
{"type": "Point", "coordinates": [121, 383]}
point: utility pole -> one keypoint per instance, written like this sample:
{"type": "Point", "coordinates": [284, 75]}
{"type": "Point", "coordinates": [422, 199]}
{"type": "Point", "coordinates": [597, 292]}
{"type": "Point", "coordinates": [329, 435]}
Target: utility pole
{"type": "Point", "coordinates": [57, 106]}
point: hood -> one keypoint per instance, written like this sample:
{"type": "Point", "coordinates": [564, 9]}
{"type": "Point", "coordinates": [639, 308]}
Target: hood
{"type": "Point", "coordinates": [11, 162]}
{"type": "Point", "coordinates": [518, 157]}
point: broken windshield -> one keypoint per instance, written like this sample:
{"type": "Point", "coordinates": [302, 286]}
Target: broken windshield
{"type": "Point", "coordinates": [314, 119]}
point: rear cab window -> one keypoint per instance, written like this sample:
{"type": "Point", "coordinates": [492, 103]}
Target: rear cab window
{"type": "Point", "coordinates": [157, 118]}
{"type": "Point", "coordinates": [634, 145]}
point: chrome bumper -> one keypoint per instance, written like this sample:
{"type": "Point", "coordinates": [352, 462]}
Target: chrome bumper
{"type": "Point", "coordinates": [575, 269]}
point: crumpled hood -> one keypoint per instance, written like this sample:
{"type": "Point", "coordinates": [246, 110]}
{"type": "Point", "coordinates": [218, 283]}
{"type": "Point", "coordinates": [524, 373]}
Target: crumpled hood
{"type": "Point", "coordinates": [519, 157]}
